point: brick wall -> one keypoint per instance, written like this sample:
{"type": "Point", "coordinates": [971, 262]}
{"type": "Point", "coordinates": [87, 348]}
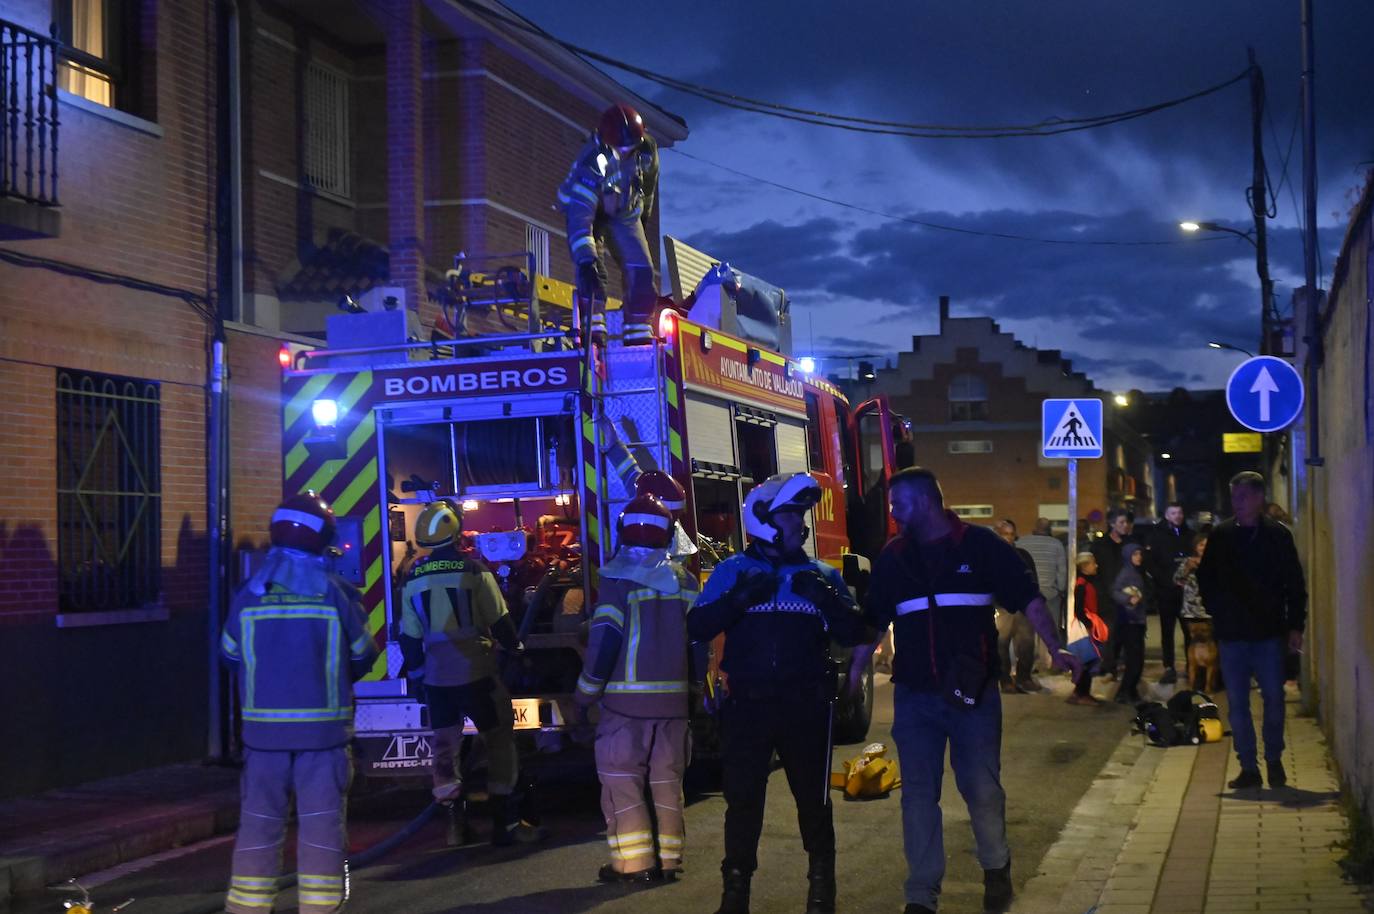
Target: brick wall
{"type": "Point", "coordinates": [1010, 477]}
{"type": "Point", "coordinates": [138, 200]}
{"type": "Point", "coordinates": [255, 457]}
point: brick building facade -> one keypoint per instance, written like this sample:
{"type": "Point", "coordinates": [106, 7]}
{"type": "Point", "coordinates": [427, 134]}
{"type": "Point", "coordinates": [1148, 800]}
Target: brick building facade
{"type": "Point", "coordinates": [376, 140]}
{"type": "Point", "coordinates": [103, 339]}
{"type": "Point", "coordinates": [973, 394]}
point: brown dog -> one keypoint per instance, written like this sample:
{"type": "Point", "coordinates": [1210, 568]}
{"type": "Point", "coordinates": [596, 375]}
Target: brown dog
{"type": "Point", "coordinates": [1202, 657]}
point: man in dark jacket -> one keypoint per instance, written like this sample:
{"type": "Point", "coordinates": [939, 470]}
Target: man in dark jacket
{"type": "Point", "coordinates": [1107, 551]}
{"type": "Point", "coordinates": [936, 583]}
{"type": "Point", "coordinates": [1252, 584]}
{"type": "Point", "coordinates": [1169, 543]}
{"type": "Point", "coordinates": [779, 610]}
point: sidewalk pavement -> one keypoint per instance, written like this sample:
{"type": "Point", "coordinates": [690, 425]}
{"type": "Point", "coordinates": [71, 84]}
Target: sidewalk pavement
{"type": "Point", "coordinates": [1159, 832]}
{"type": "Point", "coordinates": [49, 838]}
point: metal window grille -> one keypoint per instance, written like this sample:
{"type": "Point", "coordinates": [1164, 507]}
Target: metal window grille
{"type": "Point", "coordinates": [109, 492]}
{"type": "Point", "coordinates": [326, 129]}
{"type": "Point", "coordinates": [537, 245]}
{"type": "Point", "coordinates": [28, 115]}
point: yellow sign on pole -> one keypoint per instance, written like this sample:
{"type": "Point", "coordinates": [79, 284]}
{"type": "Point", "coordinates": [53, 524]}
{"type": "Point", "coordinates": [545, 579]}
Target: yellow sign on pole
{"type": "Point", "coordinates": [1241, 442]}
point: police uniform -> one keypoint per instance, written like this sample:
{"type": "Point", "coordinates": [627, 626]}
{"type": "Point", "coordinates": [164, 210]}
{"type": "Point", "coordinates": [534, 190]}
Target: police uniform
{"type": "Point", "coordinates": [605, 192]}
{"type": "Point", "coordinates": [781, 690]}
{"type": "Point", "coordinates": [637, 665]}
{"type": "Point", "coordinates": [298, 638]}
{"type": "Point", "coordinates": [451, 612]}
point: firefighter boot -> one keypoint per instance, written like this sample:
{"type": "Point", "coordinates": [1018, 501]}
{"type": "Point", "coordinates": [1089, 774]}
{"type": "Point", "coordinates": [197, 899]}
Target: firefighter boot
{"type": "Point", "coordinates": [507, 827]}
{"type": "Point", "coordinates": [734, 899]}
{"type": "Point", "coordinates": [820, 895]}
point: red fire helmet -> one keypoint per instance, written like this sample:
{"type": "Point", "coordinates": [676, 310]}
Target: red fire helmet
{"type": "Point", "coordinates": [620, 126]}
{"type": "Point", "coordinates": [303, 521]}
{"type": "Point", "coordinates": [646, 522]}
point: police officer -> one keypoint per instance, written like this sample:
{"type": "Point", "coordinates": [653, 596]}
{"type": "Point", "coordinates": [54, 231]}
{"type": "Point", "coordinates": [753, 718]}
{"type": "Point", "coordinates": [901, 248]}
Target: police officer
{"type": "Point", "coordinates": [451, 612]}
{"type": "Point", "coordinates": [303, 630]}
{"type": "Point", "coordinates": [612, 186]}
{"type": "Point", "coordinates": [779, 610]}
{"type": "Point", "coordinates": [641, 682]}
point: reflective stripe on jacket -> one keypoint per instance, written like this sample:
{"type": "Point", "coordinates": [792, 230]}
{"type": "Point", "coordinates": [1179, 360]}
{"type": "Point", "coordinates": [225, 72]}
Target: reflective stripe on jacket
{"type": "Point", "coordinates": [297, 658]}
{"type": "Point", "coordinates": [449, 604]}
{"type": "Point", "coordinates": [648, 677]}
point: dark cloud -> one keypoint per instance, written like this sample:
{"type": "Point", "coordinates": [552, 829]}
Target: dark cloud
{"type": "Point", "coordinates": [962, 63]}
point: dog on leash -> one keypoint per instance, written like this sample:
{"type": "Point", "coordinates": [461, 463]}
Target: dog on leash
{"type": "Point", "coordinates": [1203, 657]}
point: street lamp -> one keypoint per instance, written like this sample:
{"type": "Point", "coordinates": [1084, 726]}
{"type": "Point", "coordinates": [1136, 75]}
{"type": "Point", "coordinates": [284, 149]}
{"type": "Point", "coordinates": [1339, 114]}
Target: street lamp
{"type": "Point", "coordinates": [1214, 344]}
{"type": "Point", "coordinates": [1217, 227]}
{"type": "Point", "coordinates": [1121, 400]}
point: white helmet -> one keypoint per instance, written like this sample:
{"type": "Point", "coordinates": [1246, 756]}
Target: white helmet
{"type": "Point", "coordinates": [777, 493]}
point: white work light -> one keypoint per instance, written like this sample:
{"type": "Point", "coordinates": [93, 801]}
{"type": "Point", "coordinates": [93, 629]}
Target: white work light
{"type": "Point", "coordinates": [325, 413]}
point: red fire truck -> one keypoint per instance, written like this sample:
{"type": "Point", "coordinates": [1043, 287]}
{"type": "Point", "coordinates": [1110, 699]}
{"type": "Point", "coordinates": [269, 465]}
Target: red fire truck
{"type": "Point", "coordinates": [514, 425]}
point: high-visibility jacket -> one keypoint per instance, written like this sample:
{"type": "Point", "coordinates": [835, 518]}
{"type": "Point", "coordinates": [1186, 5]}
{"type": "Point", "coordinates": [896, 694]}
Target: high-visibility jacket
{"type": "Point", "coordinates": [637, 647]}
{"type": "Point", "coordinates": [297, 657]}
{"type": "Point", "coordinates": [450, 603]}
{"type": "Point", "coordinates": [602, 183]}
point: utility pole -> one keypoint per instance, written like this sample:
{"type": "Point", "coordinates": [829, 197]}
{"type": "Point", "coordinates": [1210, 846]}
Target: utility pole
{"type": "Point", "coordinates": [1259, 204]}
{"type": "Point", "coordinates": [1313, 334]}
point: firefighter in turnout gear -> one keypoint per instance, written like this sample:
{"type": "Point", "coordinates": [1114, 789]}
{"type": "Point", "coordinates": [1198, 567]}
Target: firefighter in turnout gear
{"type": "Point", "coordinates": [779, 610]}
{"type": "Point", "coordinates": [297, 636]}
{"type": "Point", "coordinates": [611, 189]}
{"type": "Point", "coordinates": [451, 613]}
{"type": "Point", "coordinates": [637, 668]}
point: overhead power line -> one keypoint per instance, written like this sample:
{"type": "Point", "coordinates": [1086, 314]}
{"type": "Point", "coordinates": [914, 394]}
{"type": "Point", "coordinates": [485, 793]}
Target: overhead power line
{"type": "Point", "coordinates": [1050, 126]}
{"type": "Point", "coordinates": [1009, 236]}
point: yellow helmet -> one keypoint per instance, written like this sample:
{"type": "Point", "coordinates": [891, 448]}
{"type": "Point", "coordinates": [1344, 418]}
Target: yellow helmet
{"type": "Point", "coordinates": [437, 524]}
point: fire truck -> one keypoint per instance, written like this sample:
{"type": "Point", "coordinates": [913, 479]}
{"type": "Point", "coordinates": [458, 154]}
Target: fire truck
{"type": "Point", "coordinates": [523, 426]}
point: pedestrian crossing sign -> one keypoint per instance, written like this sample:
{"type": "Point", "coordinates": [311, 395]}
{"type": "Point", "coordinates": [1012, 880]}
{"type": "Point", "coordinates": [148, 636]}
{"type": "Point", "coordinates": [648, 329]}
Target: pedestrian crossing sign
{"type": "Point", "coordinates": [1071, 428]}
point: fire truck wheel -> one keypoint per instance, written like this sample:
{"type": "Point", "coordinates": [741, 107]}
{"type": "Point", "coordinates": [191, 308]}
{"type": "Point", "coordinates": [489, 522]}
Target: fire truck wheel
{"type": "Point", "coordinates": [854, 713]}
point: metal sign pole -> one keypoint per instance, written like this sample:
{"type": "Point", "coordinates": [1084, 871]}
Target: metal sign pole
{"type": "Point", "coordinates": [1073, 544]}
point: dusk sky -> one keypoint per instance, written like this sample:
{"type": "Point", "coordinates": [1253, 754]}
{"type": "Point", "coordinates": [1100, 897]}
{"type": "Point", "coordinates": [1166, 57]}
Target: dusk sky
{"type": "Point", "coordinates": [1130, 316]}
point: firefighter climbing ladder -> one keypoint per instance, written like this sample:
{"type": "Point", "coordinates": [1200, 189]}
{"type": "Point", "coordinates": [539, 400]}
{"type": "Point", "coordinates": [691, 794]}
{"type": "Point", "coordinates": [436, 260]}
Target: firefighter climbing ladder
{"type": "Point", "coordinates": [628, 408]}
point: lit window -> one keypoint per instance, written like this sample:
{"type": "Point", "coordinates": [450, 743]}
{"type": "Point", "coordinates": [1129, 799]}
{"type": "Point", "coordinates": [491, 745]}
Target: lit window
{"type": "Point", "coordinates": [968, 398]}
{"type": "Point", "coordinates": [94, 64]}
{"type": "Point", "coordinates": [972, 512]}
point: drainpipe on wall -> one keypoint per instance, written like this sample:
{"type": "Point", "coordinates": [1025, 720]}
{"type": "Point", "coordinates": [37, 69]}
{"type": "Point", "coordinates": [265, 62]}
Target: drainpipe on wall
{"type": "Point", "coordinates": [217, 470]}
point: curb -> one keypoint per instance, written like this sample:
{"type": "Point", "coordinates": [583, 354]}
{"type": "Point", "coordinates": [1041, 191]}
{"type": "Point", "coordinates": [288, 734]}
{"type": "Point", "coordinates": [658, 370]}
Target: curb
{"type": "Point", "coordinates": [55, 859]}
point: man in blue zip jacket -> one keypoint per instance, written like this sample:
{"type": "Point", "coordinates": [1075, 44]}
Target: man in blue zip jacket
{"type": "Point", "coordinates": [937, 583]}
{"type": "Point", "coordinates": [297, 636]}
{"type": "Point", "coordinates": [779, 610]}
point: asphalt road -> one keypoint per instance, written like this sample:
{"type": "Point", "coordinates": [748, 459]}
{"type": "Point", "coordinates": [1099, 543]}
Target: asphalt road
{"type": "Point", "coordinates": [1051, 753]}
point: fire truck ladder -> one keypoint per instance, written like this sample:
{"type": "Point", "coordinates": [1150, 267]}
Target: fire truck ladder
{"type": "Point", "coordinates": [629, 407]}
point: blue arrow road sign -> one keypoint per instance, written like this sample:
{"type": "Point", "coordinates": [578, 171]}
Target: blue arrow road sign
{"type": "Point", "coordinates": [1071, 428]}
{"type": "Point", "coordinates": [1265, 394]}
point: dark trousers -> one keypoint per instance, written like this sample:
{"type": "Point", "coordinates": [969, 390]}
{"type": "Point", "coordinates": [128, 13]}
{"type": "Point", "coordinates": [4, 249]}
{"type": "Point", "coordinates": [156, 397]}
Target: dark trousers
{"type": "Point", "coordinates": [799, 730]}
{"type": "Point", "coordinates": [1132, 641]}
{"type": "Point", "coordinates": [1169, 605]}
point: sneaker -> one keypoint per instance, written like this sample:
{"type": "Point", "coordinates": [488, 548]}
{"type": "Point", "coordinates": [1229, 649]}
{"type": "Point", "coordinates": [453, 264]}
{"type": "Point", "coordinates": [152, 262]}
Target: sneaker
{"type": "Point", "coordinates": [1029, 685]}
{"type": "Point", "coordinates": [1086, 700]}
{"type": "Point", "coordinates": [1170, 677]}
{"type": "Point", "coordinates": [1011, 688]}
{"type": "Point", "coordinates": [997, 889]}
{"type": "Point", "coordinates": [1248, 778]}
{"type": "Point", "coordinates": [1277, 776]}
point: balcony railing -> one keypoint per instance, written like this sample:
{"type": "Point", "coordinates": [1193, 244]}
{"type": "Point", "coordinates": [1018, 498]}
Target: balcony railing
{"type": "Point", "coordinates": [28, 115]}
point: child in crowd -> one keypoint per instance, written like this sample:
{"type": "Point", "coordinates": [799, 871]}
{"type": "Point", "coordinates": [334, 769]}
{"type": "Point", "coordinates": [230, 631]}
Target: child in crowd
{"type": "Point", "coordinates": [1129, 592]}
{"type": "Point", "coordinates": [1085, 612]}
